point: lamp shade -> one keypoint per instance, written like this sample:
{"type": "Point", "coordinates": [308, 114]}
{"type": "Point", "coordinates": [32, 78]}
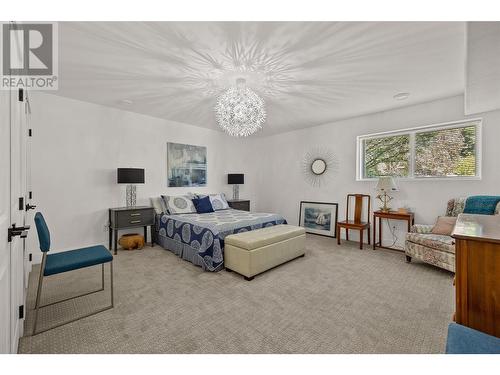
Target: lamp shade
{"type": "Point", "coordinates": [130, 175]}
{"type": "Point", "coordinates": [235, 178]}
{"type": "Point", "coordinates": [386, 183]}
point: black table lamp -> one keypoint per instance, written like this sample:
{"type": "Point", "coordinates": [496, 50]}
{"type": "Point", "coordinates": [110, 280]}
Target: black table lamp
{"type": "Point", "coordinates": [236, 179]}
{"type": "Point", "coordinates": [130, 176]}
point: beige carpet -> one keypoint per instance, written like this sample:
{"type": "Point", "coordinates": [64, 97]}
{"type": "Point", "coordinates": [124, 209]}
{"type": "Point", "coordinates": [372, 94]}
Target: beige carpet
{"type": "Point", "coordinates": [337, 299]}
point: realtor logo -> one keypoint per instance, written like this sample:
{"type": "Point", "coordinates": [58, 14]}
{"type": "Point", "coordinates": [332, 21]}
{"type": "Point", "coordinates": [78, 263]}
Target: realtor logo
{"type": "Point", "coordinates": [29, 56]}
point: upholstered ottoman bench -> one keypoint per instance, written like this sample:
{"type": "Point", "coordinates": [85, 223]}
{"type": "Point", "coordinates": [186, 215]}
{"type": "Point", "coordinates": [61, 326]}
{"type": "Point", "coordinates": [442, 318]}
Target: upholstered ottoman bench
{"type": "Point", "coordinates": [250, 253]}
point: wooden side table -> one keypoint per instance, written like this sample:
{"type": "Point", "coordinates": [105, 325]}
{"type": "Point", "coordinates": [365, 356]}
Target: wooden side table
{"type": "Point", "coordinates": [393, 215]}
{"type": "Point", "coordinates": [130, 217]}
{"type": "Point", "coordinates": [239, 204]}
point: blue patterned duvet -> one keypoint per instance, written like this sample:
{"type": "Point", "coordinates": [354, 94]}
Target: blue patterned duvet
{"type": "Point", "coordinates": [199, 238]}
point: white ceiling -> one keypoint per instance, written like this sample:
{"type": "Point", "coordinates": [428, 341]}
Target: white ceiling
{"type": "Point", "coordinates": [309, 73]}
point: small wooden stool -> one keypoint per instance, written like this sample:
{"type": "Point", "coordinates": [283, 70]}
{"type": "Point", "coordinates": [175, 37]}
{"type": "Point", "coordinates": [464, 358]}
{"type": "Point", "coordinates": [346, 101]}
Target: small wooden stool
{"type": "Point", "coordinates": [131, 241]}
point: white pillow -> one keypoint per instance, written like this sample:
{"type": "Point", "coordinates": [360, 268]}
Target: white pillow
{"type": "Point", "coordinates": [156, 202]}
{"type": "Point", "coordinates": [218, 201]}
{"type": "Point", "coordinates": [179, 204]}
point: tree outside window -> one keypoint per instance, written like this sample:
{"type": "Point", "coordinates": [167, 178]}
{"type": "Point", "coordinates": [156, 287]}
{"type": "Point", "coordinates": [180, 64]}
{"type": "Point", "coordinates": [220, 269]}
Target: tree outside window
{"type": "Point", "coordinates": [387, 156]}
{"type": "Point", "coordinates": [448, 151]}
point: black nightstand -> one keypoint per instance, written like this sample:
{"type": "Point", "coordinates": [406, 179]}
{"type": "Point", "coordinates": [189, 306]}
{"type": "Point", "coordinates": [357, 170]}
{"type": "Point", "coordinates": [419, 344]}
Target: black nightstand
{"type": "Point", "coordinates": [130, 217]}
{"type": "Point", "coordinates": [239, 204]}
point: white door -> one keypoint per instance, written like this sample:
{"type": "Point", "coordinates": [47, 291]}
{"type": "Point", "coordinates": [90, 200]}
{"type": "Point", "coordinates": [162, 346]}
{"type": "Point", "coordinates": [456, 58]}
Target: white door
{"type": "Point", "coordinates": [13, 195]}
{"type": "Point", "coordinates": [17, 213]}
{"type": "Point", "coordinates": [26, 162]}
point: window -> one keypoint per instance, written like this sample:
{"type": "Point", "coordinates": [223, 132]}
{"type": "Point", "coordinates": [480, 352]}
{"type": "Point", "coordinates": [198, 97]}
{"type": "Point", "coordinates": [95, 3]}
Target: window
{"type": "Point", "coordinates": [443, 151]}
{"type": "Point", "coordinates": [387, 156]}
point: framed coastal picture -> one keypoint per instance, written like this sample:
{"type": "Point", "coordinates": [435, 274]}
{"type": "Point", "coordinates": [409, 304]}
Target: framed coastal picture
{"type": "Point", "coordinates": [186, 165]}
{"type": "Point", "coordinates": [319, 217]}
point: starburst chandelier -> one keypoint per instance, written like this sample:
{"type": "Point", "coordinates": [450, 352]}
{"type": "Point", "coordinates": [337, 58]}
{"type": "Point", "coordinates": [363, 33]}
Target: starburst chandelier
{"type": "Point", "coordinates": [239, 111]}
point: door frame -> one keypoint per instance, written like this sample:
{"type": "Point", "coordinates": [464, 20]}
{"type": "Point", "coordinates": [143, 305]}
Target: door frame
{"type": "Point", "coordinates": [5, 220]}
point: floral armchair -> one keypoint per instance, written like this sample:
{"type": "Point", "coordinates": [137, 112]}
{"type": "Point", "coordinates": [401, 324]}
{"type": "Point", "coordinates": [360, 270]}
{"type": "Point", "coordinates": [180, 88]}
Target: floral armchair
{"type": "Point", "coordinates": [435, 249]}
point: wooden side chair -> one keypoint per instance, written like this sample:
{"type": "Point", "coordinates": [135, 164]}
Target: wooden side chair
{"type": "Point", "coordinates": [357, 223]}
{"type": "Point", "coordinates": [65, 261]}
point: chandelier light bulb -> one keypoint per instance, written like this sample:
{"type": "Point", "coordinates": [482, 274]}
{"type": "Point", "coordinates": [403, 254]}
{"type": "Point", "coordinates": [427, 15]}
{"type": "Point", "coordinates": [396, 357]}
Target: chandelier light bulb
{"type": "Point", "coordinates": [239, 111]}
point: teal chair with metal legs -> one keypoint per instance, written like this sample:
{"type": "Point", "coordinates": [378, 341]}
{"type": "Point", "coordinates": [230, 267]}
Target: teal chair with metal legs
{"type": "Point", "coordinates": [54, 264]}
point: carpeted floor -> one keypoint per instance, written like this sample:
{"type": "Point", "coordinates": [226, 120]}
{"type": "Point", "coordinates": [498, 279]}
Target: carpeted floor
{"type": "Point", "coordinates": [337, 299]}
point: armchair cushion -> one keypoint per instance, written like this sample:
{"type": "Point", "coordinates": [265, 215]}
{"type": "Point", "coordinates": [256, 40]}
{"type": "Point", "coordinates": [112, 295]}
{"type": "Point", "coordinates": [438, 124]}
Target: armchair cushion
{"type": "Point", "coordinates": [433, 241]}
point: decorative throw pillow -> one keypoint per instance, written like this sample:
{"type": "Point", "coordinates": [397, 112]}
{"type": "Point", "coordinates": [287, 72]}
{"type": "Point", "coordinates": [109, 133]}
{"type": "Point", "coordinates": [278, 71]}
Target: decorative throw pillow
{"type": "Point", "coordinates": [203, 205]}
{"type": "Point", "coordinates": [444, 225]}
{"type": "Point", "coordinates": [218, 201]}
{"type": "Point", "coordinates": [481, 204]}
{"type": "Point", "coordinates": [179, 204]}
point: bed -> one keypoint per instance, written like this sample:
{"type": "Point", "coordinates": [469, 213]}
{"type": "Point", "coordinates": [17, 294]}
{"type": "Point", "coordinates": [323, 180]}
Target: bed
{"type": "Point", "coordinates": [199, 238]}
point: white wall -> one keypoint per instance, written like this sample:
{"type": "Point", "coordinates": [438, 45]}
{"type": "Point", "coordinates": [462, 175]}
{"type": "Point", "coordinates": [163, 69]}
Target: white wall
{"type": "Point", "coordinates": [77, 147]}
{"type": "Point", "coordinates": [482, 76]}
{"type": "Point", "coordinates": [280, 184]}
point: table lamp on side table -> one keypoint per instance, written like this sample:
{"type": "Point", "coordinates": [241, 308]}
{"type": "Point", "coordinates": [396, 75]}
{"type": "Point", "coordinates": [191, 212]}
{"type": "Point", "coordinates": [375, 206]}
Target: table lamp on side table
{"type": "Point", "coordinates": [130, 176]}
{"type": "Point", "coordinates": [236, 179]}
{"type": "Point", "coordinates": [385, 184]}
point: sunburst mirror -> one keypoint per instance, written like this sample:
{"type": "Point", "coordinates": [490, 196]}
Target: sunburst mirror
{"type": "Point", "coordinates": [318, 166]}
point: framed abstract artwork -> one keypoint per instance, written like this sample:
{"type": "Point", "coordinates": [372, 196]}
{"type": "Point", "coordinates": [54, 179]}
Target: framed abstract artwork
{"type": "Point", "coordinates": [319, 217]}
{"type": "Point", "coordinates": [186, 165]}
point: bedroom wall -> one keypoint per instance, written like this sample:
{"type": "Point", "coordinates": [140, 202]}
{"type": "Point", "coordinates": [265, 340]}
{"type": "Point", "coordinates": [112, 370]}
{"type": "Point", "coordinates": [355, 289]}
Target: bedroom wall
{"type": "Point", "coordinates": [84, 143]}
{"type": "Point", "coordinates": [76, 149]}
{"type": "Point", "coordinates": [280, 185]}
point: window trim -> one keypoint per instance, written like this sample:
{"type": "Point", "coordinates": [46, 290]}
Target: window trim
{"type": "Point", "coordinates": [419, 129]}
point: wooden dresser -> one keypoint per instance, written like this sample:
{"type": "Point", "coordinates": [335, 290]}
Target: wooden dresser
{"type": "Point", "coordinates": [477, 277]}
